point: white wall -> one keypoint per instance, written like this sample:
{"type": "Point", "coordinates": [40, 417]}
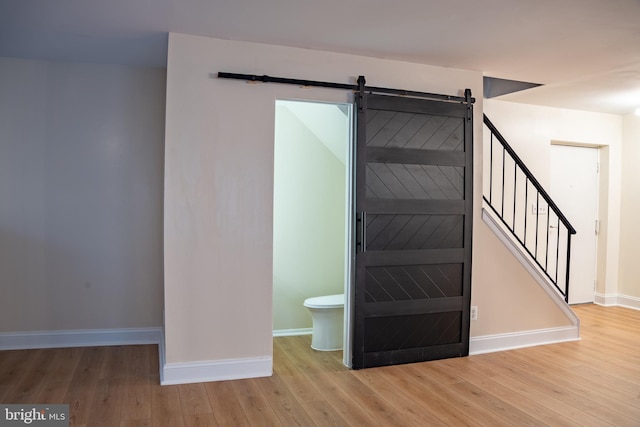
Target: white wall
{"type": "Point", "coordinates": [630, 208]}
{"type": "Point", "coordinates": [219, 187]}
{"type": "Point", "coordinates": [81, 164]}
{"type": "Point", "coordinates": [309, 211]}
{"type": "Point", "coordinates": [530, 130]}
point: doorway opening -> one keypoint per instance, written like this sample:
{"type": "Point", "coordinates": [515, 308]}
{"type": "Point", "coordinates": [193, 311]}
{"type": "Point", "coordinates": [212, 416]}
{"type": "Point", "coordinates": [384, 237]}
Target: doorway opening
{"type": "Point", "coordinates": [312, 211]}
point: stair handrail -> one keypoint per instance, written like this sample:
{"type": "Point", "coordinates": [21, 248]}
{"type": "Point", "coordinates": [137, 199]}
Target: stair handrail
{"type": "Point", "coordinates": [530, 179]}
{"type": "Point", "coordinates": [529, 175]}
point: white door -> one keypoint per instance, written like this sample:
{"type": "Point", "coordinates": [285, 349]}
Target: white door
{"type": "Point", "coordinates": [574, 188]}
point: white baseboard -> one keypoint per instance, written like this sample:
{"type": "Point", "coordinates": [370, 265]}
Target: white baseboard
{"type": "Point", "coordinates": [629, 301]}
{"type": "Point", "coordinates": [79, 338]}
{"type": "Point", "coordinates": [292, 332]}
{"type": "Point", "coordinates": [511, 341]}
{"type": "Point", "coordinates": [609, 300]}
{"type": "Point", "coordinates": [215, 370]}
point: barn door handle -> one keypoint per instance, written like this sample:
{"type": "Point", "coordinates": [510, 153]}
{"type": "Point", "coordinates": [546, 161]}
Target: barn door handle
{"type": "Point", "coordinates": [364, 231]}
{"type": "Point", "coordinates": [361, 224]}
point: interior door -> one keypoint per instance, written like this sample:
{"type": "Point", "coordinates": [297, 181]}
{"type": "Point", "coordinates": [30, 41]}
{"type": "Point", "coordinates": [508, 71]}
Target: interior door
{"type": "Point", "coordinates": [574, 188]}
{"type": "Point", "coordinates": [414, 186]}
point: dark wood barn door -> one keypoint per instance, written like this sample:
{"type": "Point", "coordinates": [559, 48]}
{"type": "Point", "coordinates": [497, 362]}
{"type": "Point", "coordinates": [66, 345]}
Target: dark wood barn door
{"type": "Point", "coordinates": [414, 185]}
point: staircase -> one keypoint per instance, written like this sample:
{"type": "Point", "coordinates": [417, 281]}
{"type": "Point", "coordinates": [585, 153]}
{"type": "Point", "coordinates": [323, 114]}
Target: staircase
{"type": "Point", "coordinates": [523, 215]}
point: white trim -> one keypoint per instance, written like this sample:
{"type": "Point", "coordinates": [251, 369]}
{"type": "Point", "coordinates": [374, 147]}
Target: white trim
{"type": "Point", "coordinates": [162, 358]}
{"type": "Point", "coordinates": [292, 332]}
{"type": "Point", "coordinates": [629, 301]}
{"type": "Point", "coordinates": [539, 277]}
{"type": "Point", "coordinates": [510, 341]}
{"type": "Point", "coordinates": [349, 266]}
{"type": "Point", "coordinates": [607, 300]}
{"type": "Point", "coordinates": [610, 300]}
{"type": "Point", "coordinates": [79, 338]}
{"type": "Point", "coordinates": [216, 370]}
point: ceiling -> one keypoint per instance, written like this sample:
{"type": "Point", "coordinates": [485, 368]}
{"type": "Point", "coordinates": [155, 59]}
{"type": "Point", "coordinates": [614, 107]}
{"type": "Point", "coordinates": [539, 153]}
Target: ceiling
{"type": "Point", "coordinates": [586, 53]}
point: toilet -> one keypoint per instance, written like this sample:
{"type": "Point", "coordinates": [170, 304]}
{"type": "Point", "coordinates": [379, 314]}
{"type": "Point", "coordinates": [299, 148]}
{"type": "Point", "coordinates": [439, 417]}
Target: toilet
{"type": "Point", "coordinates": [327, 313]}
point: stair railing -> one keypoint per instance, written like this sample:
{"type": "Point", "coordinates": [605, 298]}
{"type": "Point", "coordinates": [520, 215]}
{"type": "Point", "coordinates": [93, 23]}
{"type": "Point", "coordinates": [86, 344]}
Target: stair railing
{"type": "Point", "coordinates": [527, 211]}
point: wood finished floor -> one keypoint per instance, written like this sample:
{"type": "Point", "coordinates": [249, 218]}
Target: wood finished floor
{"type": "Point", "coordinates": [592, 382]}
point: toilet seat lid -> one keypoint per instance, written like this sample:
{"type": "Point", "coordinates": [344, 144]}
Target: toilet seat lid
{"type": "Point", "coordinates": [326, 301]}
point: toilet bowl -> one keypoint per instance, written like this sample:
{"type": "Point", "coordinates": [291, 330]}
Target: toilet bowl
{"type": "Point", "coordinates": [327, 313]}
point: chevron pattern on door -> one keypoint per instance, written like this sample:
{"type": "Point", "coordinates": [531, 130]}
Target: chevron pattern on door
{"type": "Point", "coordinates": [413, 282]}
{"type": "Point", "coordinates": [418, 131]}
{"type": "Point", "coordinates": [426, 182]}
{"type": "Point", "coordinates": [406, 232]}
{"type": "Point", "coordinates": [413, 331]}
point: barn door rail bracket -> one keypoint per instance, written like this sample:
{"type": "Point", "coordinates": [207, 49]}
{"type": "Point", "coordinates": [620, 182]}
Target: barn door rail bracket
{"type": "Point", "coordinates": [346, 86]}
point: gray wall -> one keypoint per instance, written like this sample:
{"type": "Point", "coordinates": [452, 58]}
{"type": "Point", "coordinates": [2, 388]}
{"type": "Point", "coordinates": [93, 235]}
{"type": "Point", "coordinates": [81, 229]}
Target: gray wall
{"type": "Point", "coordinates": [81, 185]}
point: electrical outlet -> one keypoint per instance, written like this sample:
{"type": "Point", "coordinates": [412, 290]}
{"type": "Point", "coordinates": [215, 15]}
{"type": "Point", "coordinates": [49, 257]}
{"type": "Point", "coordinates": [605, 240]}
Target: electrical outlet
{"type": "Point", "coordinates": [474, 312]}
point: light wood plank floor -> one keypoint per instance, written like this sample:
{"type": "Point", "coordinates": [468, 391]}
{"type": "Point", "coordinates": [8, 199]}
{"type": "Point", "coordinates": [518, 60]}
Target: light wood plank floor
{"type": "Point", "coordinates": [592, 382]}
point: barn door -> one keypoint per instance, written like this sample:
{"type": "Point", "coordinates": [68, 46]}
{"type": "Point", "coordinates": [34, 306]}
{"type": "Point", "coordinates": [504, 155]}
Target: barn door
{"type": "Point", "coordinates": [413, 188]}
